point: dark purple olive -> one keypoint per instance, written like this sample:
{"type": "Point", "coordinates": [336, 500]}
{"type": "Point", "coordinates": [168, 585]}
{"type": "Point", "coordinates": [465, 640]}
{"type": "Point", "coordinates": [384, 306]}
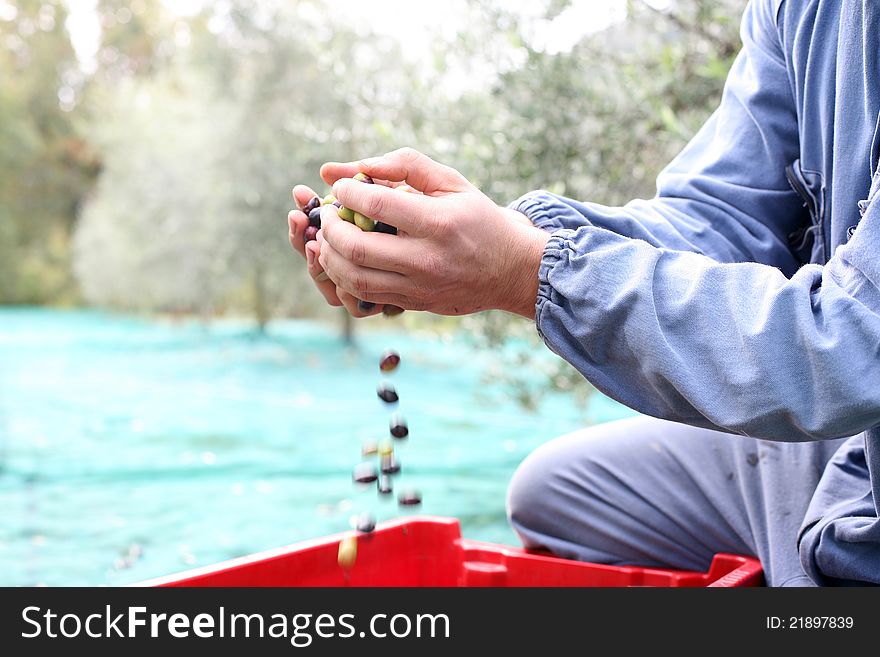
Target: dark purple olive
{"type": "Point", "coordinates": [399, 429]}
{"type": "Point", "coordinates": [381, 227]}
{"type": "Point", "coordinates": [389, 362]}
{"type": "Point", "coordinates": [315, 217]}
{"type": "Point", "coordinates": [387, 393]}
{"type": "Point", "coordinates": [337, 204]}
{"type": "Point", "coordinates": [409, 497]}
{"type": "Point", "coordinates": [311, 205]}
{"type": "Point", "coordinates": [365, 306]}
{"type": "Point", "coordinates": [365, 473]}
{"type": "Point", "coordinates": [310, 234]}
{"type": "Point", "coordinates": [391, 311]}
{"type": "Point", "coordinates": [389, 465]}
{"type": "Point", "coordinates": [364, 178]}
{"type": "Point", "coordinates": [384, 485]}
{"type": "Point", "coordinates": [366, 523]}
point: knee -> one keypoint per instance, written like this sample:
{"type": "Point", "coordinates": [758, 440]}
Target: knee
{"type": "Point", "coordinates": [534, 497]}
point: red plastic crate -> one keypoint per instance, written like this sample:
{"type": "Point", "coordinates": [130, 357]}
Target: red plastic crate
{"type": "Point", "coordinates": [429, 551]}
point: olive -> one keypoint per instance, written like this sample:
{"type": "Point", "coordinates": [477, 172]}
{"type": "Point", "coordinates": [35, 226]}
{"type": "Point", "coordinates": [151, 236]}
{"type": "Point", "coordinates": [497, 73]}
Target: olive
{"type": "Point", "coordinates": [364, 178]}
{"type": "Point", "coordinates": [310, 234]}
{"type": "Point", "coordinates": [390, 361]}
{"type": "Point", "coordinates": [381, 227]}
{"type": "Point", "coordinates": [391, 311]}
{"type": "Point", "coordinates": [365, 473]}
{"type": "Point", "coordinates": [409, 497]}
{"type": "Point", "coordinates": [337, 204]}
{"type": "Point", "coordinates": [311, 205]}
{"type": "Point", "coordinates": [346, 214]}
{"type": "Point", "coordinates": [328, 200]}
{"type": "Point", "coordinates": [365, 306]}
{"type": "Point", "coordinates": [399, 429]}
{"type": "Point", "coordinates": [347, 554]}
{"type": "Point", "coordinates": [315, 217]}
{"type": "Point", "coordinates": [364, 223]}
{"type": "Point", "coordinates": [387, 393]}
{"type": "Point", "coordinates": [366, 523]}
{"type": "Point", "coordinates": [389, 465]}
{"type": "Point", "coordinates": [385, 449]}
{"type": "Point", "coordinates": [369, 448]}
{"type": "Point", "coordinates": [384, 485]}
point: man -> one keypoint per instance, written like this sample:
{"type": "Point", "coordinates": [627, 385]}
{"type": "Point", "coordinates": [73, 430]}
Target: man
{"type": "Point", "coordinates": [743, 299]}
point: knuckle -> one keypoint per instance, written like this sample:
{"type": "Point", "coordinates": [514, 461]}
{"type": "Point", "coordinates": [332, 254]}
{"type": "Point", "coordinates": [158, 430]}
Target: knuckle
{"type": "Point", "coordinates": [376, 204]}
{"type": "Point", "coordinates": [356, 252]}
{"type": "Point", "coordinates": [409, 153]}
{"type": "Point", "coordinates": [360, 283]}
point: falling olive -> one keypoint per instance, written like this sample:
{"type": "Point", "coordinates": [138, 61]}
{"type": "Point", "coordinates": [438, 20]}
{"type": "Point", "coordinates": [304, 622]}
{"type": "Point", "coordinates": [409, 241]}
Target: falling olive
{"type": "Point", "coordinates": [366, 523]}
{"type": "Point", "coordinates": [389, 465]}
{"type": "Point", "coordinates": [399, 428]}
{"type": "Point", "coordinates": [387, 393]}
{"type": "Point", "coordinates": [384, 485]}
{"type": "Point", "coordinates": [389, 362]}
{"type": "Point", "coordinates": [347, 554]}
{"type": "Point", "coordinates": [409, 497]}
{"type": "Point", "coordinates": [365, 473]}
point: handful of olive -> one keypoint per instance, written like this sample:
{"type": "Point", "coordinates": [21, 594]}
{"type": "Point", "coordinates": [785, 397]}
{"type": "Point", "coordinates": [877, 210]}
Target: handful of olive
{"type": "Point", "coordinates": [312, 210]}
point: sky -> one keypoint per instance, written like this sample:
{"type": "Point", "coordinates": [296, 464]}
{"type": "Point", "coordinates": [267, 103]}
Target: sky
{"type": "Point", "coordinates": [404, 20]}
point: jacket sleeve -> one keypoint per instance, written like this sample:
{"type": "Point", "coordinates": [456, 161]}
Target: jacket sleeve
{"type": "Point", "coordinates": [736, 347]}
{"type": "Point", "coordinates": [726, 195]}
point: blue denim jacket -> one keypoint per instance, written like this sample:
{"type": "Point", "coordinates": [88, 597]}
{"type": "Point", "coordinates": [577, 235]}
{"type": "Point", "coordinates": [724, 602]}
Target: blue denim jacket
{"type": "Point", "coordinates": [745, 296]}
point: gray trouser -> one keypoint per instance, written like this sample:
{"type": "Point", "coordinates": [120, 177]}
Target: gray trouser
{"type": "Point", "coordinates": [654, 493]}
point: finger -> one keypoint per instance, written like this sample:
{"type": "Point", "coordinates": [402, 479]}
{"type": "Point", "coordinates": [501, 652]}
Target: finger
{"type": "Point", "coordinates": [415, 214]}
{"type": "Point", "coordinates": [333, 171]}
{"type": "Point", "coordinates": [325, 286]}
{"type": "Point", "coordinates": [302, 195]}
{"type": "Point", "coordinates": [355, 307]}
{"type": "Point", "coordinates": [375, 250]}
{"type": "Point", "coordinates": [417, 170]}
{"type": "Point", "coordinates": [361, 282]}
{"type": "Point", "coordinates": [296, 223]}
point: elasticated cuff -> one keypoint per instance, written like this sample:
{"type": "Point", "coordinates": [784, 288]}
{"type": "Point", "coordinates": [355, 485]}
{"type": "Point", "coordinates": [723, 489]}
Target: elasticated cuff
{"type": "Point", "coordinates": [540, 207]}
{"type": "Point", "coordinates": [558, 244]}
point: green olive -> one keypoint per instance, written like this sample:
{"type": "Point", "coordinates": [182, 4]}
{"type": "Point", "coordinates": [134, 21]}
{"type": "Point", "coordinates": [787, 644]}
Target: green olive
{"type": "Point", "coordinates": [327, 200]}
{"type": "Point", "coordinates": [364, 223]}
{"type": "Point", "coordinates": [346, 214]}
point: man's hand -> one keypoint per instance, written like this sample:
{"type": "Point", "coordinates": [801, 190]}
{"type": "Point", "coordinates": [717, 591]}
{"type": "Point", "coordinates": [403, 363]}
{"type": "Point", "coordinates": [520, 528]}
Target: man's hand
{"type": "Point", "coordinates": [297, 222]}
{"type": "Point", "coordinates": [456, 251]}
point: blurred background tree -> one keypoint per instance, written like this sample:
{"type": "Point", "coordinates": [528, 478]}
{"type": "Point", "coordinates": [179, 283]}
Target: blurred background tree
{"type": "Point", "coordinates": [156, 178]}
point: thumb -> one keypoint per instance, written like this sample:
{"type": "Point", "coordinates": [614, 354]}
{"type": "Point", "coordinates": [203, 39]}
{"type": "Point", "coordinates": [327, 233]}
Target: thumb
{"type": "Point", "coordinates": [415, 169]}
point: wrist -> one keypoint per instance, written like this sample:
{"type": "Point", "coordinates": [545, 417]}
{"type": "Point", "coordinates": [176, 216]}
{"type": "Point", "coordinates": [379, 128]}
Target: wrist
{"type": "Point", "coordinates": [516, 216]}
{"type": "Point", "coordinates": [527, 251]}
